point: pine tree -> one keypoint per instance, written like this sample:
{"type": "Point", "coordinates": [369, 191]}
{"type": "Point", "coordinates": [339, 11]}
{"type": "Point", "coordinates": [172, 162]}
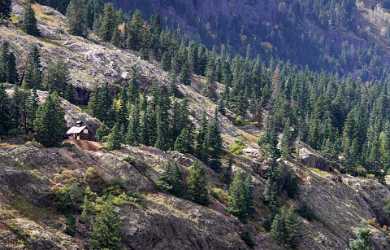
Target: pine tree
{"type": "Point", "coordinates": [171, 180]}
{"type": "Point", "coordinates": [33, 74]}
{"type": "Point", "coordinates": [29, 24]}
{"type": "Point", "coordinates": [185, 74]}
{"type": "Point", "coordinates": [214, 139]}
{"type": "Point", "coordinates": [8, 72]}
{"type": "Point", "coordinates": [76, 14]}
{"type": "Point", "coordinates": [286, 141]}
{"type": "Point", "coordinates": [133, 133]}
{"type": "Point", "coordinates": [6, 119]}
{"type": "Point", "coordinates": [49, 124]}
{"type": "Point", "coordinates": [183, 143]}
{"type": "Point", "coordinates": [135, 31]}
{"type": "Point", "coordinates": [108, 23]}
{"type": "Point", "coordinates": [32, 104]}
{"type": "Point", "coordinates": [163, 132]}
{"type": "Point", "coordinates": [5, 9]}
{"type": "Point", "coordinates": [285, 227]}
{"type": "Point", "coordinates": [57, 77]}
{"type": "Point", "coordinates": [106, 229]}
{"type": "Point", "coordinates": [197, 184]}
{"type": "Point", "coordinates": [114, 138]}
{"type": "Point", "coordinates": [240, 196]}
{"type": "Point", "coordinates": [200, 149]}
{"type": "Point", "coordinates": [94, 10]}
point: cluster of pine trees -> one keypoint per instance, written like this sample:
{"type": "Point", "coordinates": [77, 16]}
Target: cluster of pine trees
{"type": "Point", "coordinates": [156, 118]}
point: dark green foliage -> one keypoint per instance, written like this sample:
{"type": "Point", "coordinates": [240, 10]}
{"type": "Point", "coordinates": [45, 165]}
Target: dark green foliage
{"type": "Point", "coordinates": [386, 208]}
{"type": "Point", "coordinates": [59, 5]}
{"type": "Point", "coordinates": [197, 184]}
{"type": "Point", "coordinates": [5, 9]}
{"type": "Point", "coordinates": [49, 124]}
{"type": "Point", "coordinates": [33, 73]}
{"type": "Point", "coordinates": [57, 77]}
{"type": "Point", "coordinates": [135, 31]}
{"type": "Point", "coordinates": [240, 196]}
{"type": "Point", "coordinates": [76, 14]}
{"type": "Point", "coordinates": [70, 225]}
{"type": "Point", "coordinates": [102, 132]}
{"type": "Point", "coordinates": [133, 131]}
{"type": "Point", "coordinates": [100, 104]}
{"type": "Point", "coordinates": [6, 116]}
{"type": "Point", "coordinates": [162, 141]}
{"type": "Point", "coordinates": [106, 229]}
{"type": "Point", "coordinates": [362, 241]}
{"type": "Point", "coordinates": [183, 143]}
{"type": "Point", "coordinates": [285, 228]}
{"type": "Point", "coordinates": [8, 72]}
{"type": "Point", "coordinates": [171, 180]}
{"type": "Point", "coordinates": [185, 75]}
{"type": "Point", "coordinates": [114, 139]}
{"type": "Point", "coordinates": [108, 23]}
{"type": "Point", "coordinates": [214, 139]}
{"type": "Point", "coordinates": [29, 24]}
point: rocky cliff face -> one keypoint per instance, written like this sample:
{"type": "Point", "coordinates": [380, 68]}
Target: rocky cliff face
{"type": "Point", "coordinates": [31, 174]}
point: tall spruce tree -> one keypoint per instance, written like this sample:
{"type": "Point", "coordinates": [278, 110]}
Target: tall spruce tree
{"type": "Point", "coordinates": [135, 31]}
{"type": "Point", "coordinates": [33, 73]}
{"type": "Point", "coordinates": [114, 139]}
{"type": "Point", "coordinates": [183, 143]}
{"type": "Point", "coordinates": [49, 123]}
{"type": "Point", "coordinates": [6, 117]}
{"type": "Point", "coordinates": [76, 14]}
{"type": "Point", "coordinates": [163, 141]}
{"type": "Point", "coordinates": [108, 23]}
{"type": "Point", "coordinates": [29, 24]}
{"type": "Point", "coordinates": [197, 184]}
{"type": "Point", "coordinates": [214, 139]}
{"type": "Point", "coordinates": [57, 77]}
{"type": "Point", "coordinates": [8, 72]}
{"type": "Point", "coordinates": [171, 180]}
{"type": "Point", "coordinates": [240, 196]}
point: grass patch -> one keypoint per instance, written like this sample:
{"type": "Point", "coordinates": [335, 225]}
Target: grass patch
{"type": "Point", "coordinates": [237, 147]}
{"type": "Point", "coordinates": [30, 211]}
{"type": "Point", "coordinates": [220, 194]}
{"type": "Point", "coordinates": [320, 173]}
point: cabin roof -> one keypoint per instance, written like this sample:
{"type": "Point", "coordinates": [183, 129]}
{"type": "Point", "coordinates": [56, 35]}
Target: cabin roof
{"type": "Point", "coordinates": [76, 130]}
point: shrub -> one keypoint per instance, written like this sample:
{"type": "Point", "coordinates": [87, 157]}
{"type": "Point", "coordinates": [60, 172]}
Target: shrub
{"type": "Point", "coordinates": [237, 147]}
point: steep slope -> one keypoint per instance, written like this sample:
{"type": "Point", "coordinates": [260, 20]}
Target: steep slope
{"type": "Point", "coordinates": [30, 175]}
{"type": "Point", "coordinates": [343, 37]}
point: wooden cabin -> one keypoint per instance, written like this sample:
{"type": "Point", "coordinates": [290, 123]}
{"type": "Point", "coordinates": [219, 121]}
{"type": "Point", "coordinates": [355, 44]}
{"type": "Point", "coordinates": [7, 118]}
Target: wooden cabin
{"type": "Point", "coordinates": [79, 132]}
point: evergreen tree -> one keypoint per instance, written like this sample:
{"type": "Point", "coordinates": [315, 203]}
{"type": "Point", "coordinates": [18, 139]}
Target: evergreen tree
{"type": "Point", "coordinates": [5, 9]}
{"type": "Point", "coordinates": [76, 14]}
{"type": "Point", "coordinates": [200, 148]}
{"type": "Point", "coordinates": [8, 72]}
{"type": "Point", "coordinates": [29, 24]}
{"type": "Point", "coordinates": [135, 31]}
{"type": "Point", "coordinates": [185, 75]}
{"type": "Point", "coordinates": [57, 77]}
{"type": "Point", "coordinates": [6, 119]}
{"type": "Point", "coordinates": [285, 227]}
{"type": "Point", "coordinates": [240, 196]}
{"type": "Point", "coordinates": [171, 180]}
{"type": "Point", "coordinates": [197, 184]}
{"type": "Point", "coordinates": [33, 74]}
{"type": "Point", "coordinates": [94, 10]}
{"type": "Point", "coordinates": [106, 229]}
{"type": "Point", "coordinates": [362, 241]}
{"type": "Point", "coordinates": [214, 139]}
{"type": "Point", "coordinates": [114, 138]}
{"type": "Point", "coordinates": [133, 133]}
{"type": "Point", "coordinates": [100, 104]}
{"type": "Point", "coordinates": [32, 104]}
{"type": "Point", "coordinates": [49, 124]}
{"type": "Point", "coordinates": [286, 142]}
{"type": "Point", "coordinates": [108, 23]}
{"type": "Point", "coordinates": [163, 139]}
{"type": "Point", "coordinates": [183, 143]}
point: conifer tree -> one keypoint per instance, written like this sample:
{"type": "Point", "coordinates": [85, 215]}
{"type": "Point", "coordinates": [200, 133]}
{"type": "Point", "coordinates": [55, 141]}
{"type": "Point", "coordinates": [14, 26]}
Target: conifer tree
{"type": "Point", "coordinates": [171, 180]}
{"type": "Point", "coordinates": [32, 104]}
{"type": "Point", "coordinates": [33, 74]}
{"type": "Point", "coordinates": [197, 184]}
{"type": "Point", "coordinates": [135, 27]}
{"type": "Point", "coordinates": [94, 10]}
{"type": "Point", "coordinates": [285, 227]}
{"type": "Point", "coordinates": [240, 196]}
{"type": "Point", "coordinates": [57, 77]}
{"type": "Point", "coordinates": [163, 139]}
{"type": "Point", "coordinates": [114, 138]}
{"type": "Point", "coordinates": [132, 137]}
{"type": "Point", "coordinates": [214, 140]}
{"type": "Point", "coordinates": [106, 229]}
{"type": "Point", "coordinates": [49, 123]}
{"type": "Point", "coordinates": [76, 14]}
{"type": "Point", "coordinates": [6, 119]}
{"type": "Point", "coordinates": [183, 143]}
{"type": "Point", "coordinates": [5, 9]}
{"type": "Point", "coordinates": [200, 149]}
{"type": "Point", "coordinates": [185, 74]}
{"type": "Point", "coordinates": [8, 72]}
{"type": "Point", "coordinates": [108, 23]}
{"type": "Point", "coordinates": [29, 24]}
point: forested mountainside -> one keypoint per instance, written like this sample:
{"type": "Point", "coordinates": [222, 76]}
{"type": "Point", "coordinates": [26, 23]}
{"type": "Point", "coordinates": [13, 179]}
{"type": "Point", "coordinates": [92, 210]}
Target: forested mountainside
{"type": "Point", "coordinates": [185, 147]}
{"type": "Point", "coordinates": [345, 37]}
